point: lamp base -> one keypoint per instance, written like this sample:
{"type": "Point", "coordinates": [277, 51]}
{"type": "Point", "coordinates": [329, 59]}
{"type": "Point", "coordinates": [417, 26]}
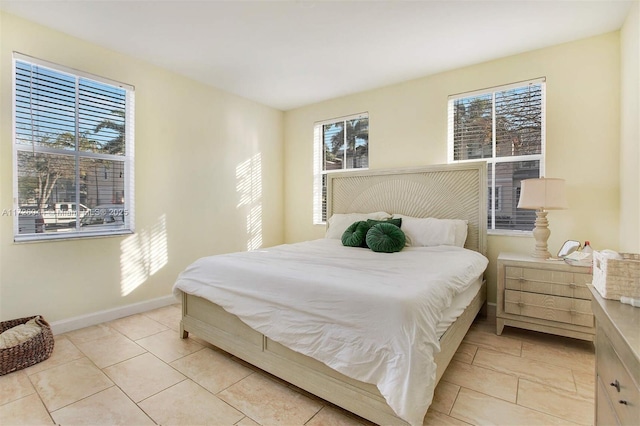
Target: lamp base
{"type": "Point", "coordinates": [541, 233]}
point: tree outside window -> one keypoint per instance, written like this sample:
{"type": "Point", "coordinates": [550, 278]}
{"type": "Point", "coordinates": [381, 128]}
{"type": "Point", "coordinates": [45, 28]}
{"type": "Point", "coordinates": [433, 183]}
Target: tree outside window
{"type": "Point", "coordinates": [341, 144]}
{"type": "Point", "coordinates": [503, 126]}
{"type": "Point", "coordinates": [74, 146]}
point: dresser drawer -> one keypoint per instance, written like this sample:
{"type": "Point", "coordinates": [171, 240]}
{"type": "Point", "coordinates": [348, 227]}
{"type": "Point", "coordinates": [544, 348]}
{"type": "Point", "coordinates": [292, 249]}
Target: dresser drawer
{"type": "Point", "coordinates": [548, 307]}
{"type": "Point", "coordinates": [556, 283]}
{"type": "Point", "coordinates": [618, 384]}
{"type": "Point", "coordinates": [605, 415]}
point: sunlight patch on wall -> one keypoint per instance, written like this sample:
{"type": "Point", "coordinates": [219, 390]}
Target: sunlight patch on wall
{"type": "Point", "coordinates": [142, 255]}
{"type": "Point", "coordinates": [249, 189]}
{"type": "Point", "coordinates": [317, 174]}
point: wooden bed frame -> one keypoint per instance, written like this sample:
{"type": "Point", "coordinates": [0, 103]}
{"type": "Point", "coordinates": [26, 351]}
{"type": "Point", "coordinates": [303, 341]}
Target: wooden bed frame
{"type": "Point", "coordinates": [447, 192]}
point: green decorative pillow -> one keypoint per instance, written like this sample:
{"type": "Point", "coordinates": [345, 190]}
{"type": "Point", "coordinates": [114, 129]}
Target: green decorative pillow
{"type": "Point", "coordinates": [355, 235]}
{"type": "Point", "coordinates": [385, 238]}
{"type": "Point", "coordinates": [397, 222]}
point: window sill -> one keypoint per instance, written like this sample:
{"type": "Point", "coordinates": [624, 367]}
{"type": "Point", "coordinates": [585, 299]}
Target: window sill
{"type": "Point", "coordinates": [508, 233]}
{"type": "Point", "coordinates": [39, 238]}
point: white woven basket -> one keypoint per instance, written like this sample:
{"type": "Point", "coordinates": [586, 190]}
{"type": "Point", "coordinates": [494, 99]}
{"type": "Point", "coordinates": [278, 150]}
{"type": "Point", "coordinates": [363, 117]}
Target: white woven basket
{"type": "Point", "coordinates": [616, 278]}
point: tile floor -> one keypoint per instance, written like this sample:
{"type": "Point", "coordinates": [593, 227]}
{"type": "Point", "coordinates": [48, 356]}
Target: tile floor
{"type": "Point", "coordinates": [136, 371]}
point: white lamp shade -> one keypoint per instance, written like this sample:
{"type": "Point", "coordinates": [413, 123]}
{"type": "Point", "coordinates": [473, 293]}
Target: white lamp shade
{"type": "Point", "coordinates": [543, 193]}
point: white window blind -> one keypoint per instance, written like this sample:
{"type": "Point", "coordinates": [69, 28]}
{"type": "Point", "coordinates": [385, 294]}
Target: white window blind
{"type": "Point", "coordinates": [73, 146]}
{"type": "Point", "coordinates": [339, 144]}
{"type": "Point", "coordinates": [504, 126]}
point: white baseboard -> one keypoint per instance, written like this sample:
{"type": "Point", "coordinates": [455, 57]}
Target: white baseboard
{"type": "Point", "coordinates": [75, 323]}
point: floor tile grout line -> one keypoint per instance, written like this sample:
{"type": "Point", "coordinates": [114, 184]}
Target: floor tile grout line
{"type": "Point", "coordinates": [150, 335]}
{"type": "Point", "coordinates": [522, 341]}
{"type": "Point", "coordinates": [573, 375]}
{"type": "Point", "coordinates": [544, 412]}
{"type": "Point", "coordinates": [84, 397]}
{"type": "Point", "coordinates": [245, 417]}
{"type": "Point", "coordinates": [192, 380]}
{"type": "Point", "coordinates": [480, 392]}
{"type": "Point", "coordinates": [142, 337]}
{"type": "Point", "coordinates": [57, 365]}
{"type": "Point", "coordinates": [454, 403]}
{"type": "Point", "coordinates": [114, 383]}
{"type": "Point", "coordinates": [516, 404]}
{"type": "Point", "coordinates": [234, 383]}
{"type": "Point", "coordinates": [314, 414]}
{"type": "Point", "coordinates": [473, 357]}
{"type": "Point", "coordinates": [162, 390]}
{"type": "Point", "coordinates": [175, 384]}
{"type": "Point", "coordinates": [454, 400]}
{"type": "Point", "coordinates": [135, 403]}
{"type": "Point", "coordinates": [102, 324]}
{"type": "Point", "coordinates": [120, 388]}
{"type": "Point", "coordinates": [126, 394]}
{"type": "Point", "coordinates": [575, 382]}
{"type": "Point", "coordinates": [502, 399]}
{"type": "Point", "coordinates": [23, 396]}
{"type": "Point", "coordinates": [39, 399]}
{"type": "Point", "coordinates": [534, 378]}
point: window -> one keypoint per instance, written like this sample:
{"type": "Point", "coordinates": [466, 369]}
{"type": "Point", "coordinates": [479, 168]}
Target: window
{"type": "Point", "coordinates": [339, 144]}
{"type": "Point", "coordinates": [73, 153]}
{"type": "Point", "coordinates": [504, 126]}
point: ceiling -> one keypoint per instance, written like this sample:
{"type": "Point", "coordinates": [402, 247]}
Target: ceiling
{"type": "Point", "coordinates": [287, 54]}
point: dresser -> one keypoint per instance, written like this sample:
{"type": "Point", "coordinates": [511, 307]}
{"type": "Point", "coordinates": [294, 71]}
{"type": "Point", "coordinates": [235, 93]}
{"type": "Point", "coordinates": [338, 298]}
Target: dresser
{"type": "Point", "coordinates": [544, 295]}
{"type": "Point", "coordinates": [617, 361]}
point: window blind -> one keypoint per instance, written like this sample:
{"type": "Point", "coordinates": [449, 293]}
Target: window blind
{"type": "Point", "coordinates": [505, 127]}
{"type": "Point", "coordinates": [339, 144]}
{"type": "Point", "coordinates": [74, 144]}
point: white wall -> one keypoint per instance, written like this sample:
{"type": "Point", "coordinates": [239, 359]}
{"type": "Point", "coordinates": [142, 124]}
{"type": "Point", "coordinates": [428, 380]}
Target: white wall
{"type": "Point", "coordinates": [408, 127]}
{"type": "Point", "coordinates": [630, 132]}
{"type": "Point", "coordinates": [200, 152]}
{"type": "Point", "coordinates": [209, 179]}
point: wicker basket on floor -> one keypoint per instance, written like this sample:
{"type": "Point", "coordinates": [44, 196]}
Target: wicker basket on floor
{"type": "Point", "coordinates": [27, 353]}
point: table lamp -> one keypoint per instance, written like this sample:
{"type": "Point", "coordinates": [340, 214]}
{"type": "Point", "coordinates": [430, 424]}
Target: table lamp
{"type": "Point", "coordinates": [542, 194]}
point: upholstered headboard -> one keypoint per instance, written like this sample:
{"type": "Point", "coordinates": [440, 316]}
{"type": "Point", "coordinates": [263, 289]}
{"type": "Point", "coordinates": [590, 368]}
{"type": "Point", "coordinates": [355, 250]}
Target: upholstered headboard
{"type": "Point", "coordinates": [451, 191]}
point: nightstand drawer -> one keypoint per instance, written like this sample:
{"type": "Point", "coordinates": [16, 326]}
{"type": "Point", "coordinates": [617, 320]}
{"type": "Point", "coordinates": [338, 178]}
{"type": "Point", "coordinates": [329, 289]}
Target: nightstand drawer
{"type": "Point", "coordinates": [548, 307]}
{"type": "Point", "coordinates": [544, 281]}
{"type": "Point", "coordinates": [618, 384]}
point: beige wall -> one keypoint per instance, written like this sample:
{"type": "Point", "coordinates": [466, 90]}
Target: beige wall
{"type": "Point", "coordinates": [408, 127]}
{"type": "Point", "coordinates": [205, 160]}
{"type": "Point", "coordinates": [630, 132]}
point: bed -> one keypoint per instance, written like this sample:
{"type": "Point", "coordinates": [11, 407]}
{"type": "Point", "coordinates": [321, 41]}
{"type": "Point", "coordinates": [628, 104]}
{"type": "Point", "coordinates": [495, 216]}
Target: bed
{"type": "Point", "coordinates": [447, 192]}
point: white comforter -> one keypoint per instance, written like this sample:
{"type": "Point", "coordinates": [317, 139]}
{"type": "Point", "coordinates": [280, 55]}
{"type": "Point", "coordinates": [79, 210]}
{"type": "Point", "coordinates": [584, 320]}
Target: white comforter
{"type": "Point", "coordinates": [371, 316]}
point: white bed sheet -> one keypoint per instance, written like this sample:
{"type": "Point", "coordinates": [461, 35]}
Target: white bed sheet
{"type": "Point", "coordinates": [371, 316]}
{"type": "Point", "coordinates": [458, 305]}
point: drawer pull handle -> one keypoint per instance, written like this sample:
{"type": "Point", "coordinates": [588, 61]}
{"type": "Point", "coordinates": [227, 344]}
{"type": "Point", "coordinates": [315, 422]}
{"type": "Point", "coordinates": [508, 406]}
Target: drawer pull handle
{"type": "Point", "coordinates": [521, 304]}
{"type": "Point", "coordinates": [572, 285]}
{"type": "Point", "coordinates": [572, 312]}
{"type": "Point", "coordinates": [615, 384]}
{"type": "Point", "coordinates": [522, 280]}
{"type": "Point", "coordinates": [623, 402]}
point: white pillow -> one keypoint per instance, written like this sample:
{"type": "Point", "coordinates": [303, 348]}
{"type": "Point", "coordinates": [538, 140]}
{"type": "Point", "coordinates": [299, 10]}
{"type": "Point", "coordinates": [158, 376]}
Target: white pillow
{"type": "Point", "coordinates": [338, 223]}
{"type": "Point", "coordinates": [427, 232]}
{"type": "Point", "coordinates": [461, 232]}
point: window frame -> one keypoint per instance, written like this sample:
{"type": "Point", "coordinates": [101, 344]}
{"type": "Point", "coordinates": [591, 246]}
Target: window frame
{"type": "Point", "coordinates": [318, 159]}
{"type": "Point", "coordinates": [494, 159]}
{"type": "Point", "coordinates": [127, 158]}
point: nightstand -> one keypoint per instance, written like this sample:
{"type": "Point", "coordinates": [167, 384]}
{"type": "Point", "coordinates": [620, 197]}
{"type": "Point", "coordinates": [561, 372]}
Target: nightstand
{"type": "Point", "coordinates": [544, 295]}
